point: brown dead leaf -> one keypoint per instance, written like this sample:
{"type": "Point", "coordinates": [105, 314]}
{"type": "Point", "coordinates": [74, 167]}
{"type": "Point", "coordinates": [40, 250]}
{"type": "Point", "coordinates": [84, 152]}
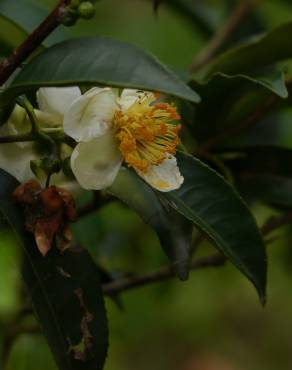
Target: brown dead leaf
{"type": "Point", "coordinates": [47, 213]}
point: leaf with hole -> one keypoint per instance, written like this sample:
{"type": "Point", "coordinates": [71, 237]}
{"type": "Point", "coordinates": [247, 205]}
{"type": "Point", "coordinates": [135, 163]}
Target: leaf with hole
{"type": "Point", "coordinates": [65, 292]}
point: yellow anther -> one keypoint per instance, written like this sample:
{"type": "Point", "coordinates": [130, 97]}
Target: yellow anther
{"type": "Point", "coordinates": [147, 131]}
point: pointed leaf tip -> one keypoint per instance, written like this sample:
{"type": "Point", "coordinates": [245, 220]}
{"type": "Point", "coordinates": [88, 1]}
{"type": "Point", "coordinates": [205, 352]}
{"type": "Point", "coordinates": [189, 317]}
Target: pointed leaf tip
{"type": "Point", "coordinates": [212, 204]}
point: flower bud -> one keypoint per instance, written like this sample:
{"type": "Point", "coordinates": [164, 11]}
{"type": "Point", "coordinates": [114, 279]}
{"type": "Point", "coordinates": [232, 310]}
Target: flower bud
{"type": "Point", "coordinates": [86, 10]}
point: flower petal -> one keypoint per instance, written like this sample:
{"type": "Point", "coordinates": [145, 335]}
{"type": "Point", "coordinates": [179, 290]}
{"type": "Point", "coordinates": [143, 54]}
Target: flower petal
{"type": "Point", "coordinates": [130, 96]}
{"type": "Point", "coordinates": [97, 162]}
{"type": "Point", "coordinates": [164, 177]}
{"type": "Point", "coordinates": [91, 115]}
{"type": "Point", "coordinates": [57, 100]}
{"type": "Point", "coordinates": [16, 160]}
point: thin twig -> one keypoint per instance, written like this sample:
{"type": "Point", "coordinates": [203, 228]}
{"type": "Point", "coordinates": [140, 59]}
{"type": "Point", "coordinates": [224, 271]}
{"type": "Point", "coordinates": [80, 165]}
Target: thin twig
{"type": "Point", "coordinates": [164, 273]}
{"type": "Point", "coordinates": [234, 129]}
{"type": "Point", "coordinates": [56, 135]}
{"type": "Point", "coordinates": [12, 333]}
{"type": "Point", "coordinates": [222, 35]}
{"type": "Point", "coordinates": [274, 223]}
{"type": "Point", "coordinates": [16, 138]}
{"type": "Point", "coordinates": [33, 41]}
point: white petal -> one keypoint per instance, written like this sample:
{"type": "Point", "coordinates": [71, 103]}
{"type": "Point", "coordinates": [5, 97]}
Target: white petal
{"type": "Point", "coordinates": [16, 160]}
{"type": "Point", "coordinates": [130, 96]}
{"type": "Point", "coordinates": [97, 162]}
{"type": "Point", "coordinates": [164, 177]}
{"type": "Point", "coordinates": [91, 115]}
{"type": "Point", "coordinates": [57, 100]}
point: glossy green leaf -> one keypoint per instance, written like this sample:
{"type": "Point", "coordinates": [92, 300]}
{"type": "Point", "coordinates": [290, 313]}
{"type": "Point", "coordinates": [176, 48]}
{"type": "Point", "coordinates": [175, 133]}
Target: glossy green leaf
{"type": "Point", "coordinates": [11, 35]}
{"type": "Point", "coordinates": [243, 94]}
{"type": "Point", "coordinates": [273, 160]}
{"type": "Point", "coordinates": [262, 51]}
{"type": "Point", "coordinates": [173, 231]}
{"type": "Point", "coordinates": [273, 190]}
{"type": "Point", "coordinates": [101, 61]}
{"type": "Point", "coordinates": [264, 173]}
{"type": "Point", "coordinates": [24, 16]}
{"type": "Point", "coordinates": [65, 292]}
{"type": "Point", "coordinates": [206, 199]}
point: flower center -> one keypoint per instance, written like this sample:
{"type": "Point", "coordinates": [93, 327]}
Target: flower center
{"type": "Point", "coordinates": [147, 132]}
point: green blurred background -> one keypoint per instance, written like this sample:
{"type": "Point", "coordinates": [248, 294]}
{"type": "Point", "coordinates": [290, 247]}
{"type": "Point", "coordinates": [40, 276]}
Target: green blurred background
{"type": "Point", "coordinates": [213, 321]}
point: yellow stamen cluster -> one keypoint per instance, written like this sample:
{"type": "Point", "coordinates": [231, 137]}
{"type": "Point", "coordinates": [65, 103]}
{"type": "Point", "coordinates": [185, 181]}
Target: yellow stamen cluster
{"type": "Point", "coordinates": [147, 131]}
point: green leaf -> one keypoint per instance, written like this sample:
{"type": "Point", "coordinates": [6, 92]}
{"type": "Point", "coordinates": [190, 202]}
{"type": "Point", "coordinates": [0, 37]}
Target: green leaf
{"type": "Point", "coordinates": [262, 51]}
{"type": "Point", "coordinates": [11, 35]}
{"type": "Point", "coordinates": [101, 61]}
{"type": "Point", "coordinates": [65, 292]}
{"type": "Point", "coordinates": [206, 199]}
{"type": "Point", "coordinates": [270, 189]}
{"type": "Point", "coordinates": [273, 81]}
{"type": "Point", "coordinates": [265, 174]}
{"type": "Point", "coordinates": [266, 160]}
{"type": "Point", "coordinates": [26, 15]}
{"type": "Point", "coordinates": [173, 231]}
{"type": "Point", "coordinates": [243, 94]}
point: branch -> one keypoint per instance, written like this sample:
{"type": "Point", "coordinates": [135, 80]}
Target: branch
{"type": "Point", "coordinates": [222, 35]}
{"type": "Point", "coordinates": [33, 41]}
{"type": "Point", "coordinates": [234, 129]}
{"type": "Point", "coordinates": [12, 334]}
{"type": "Point", "coordinates": [164, 273]}
{"type": "Point", "coordinates": [274, 223]}
{"type": "Point", "coordinates": [56, 135]}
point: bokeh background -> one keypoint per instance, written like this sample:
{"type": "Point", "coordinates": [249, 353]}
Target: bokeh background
{"type": "Point", "coordinates": [214, 321]}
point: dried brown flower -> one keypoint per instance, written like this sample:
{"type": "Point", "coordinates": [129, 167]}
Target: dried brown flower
{"type": "Point", "coordinates": [47, 213]}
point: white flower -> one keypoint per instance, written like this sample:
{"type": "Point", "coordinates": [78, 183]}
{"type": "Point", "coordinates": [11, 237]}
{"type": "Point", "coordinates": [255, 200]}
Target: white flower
{"type": "Point", "coordinates": [134, 128]}
{"type": "Point", "coordinates": [15, 157]}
